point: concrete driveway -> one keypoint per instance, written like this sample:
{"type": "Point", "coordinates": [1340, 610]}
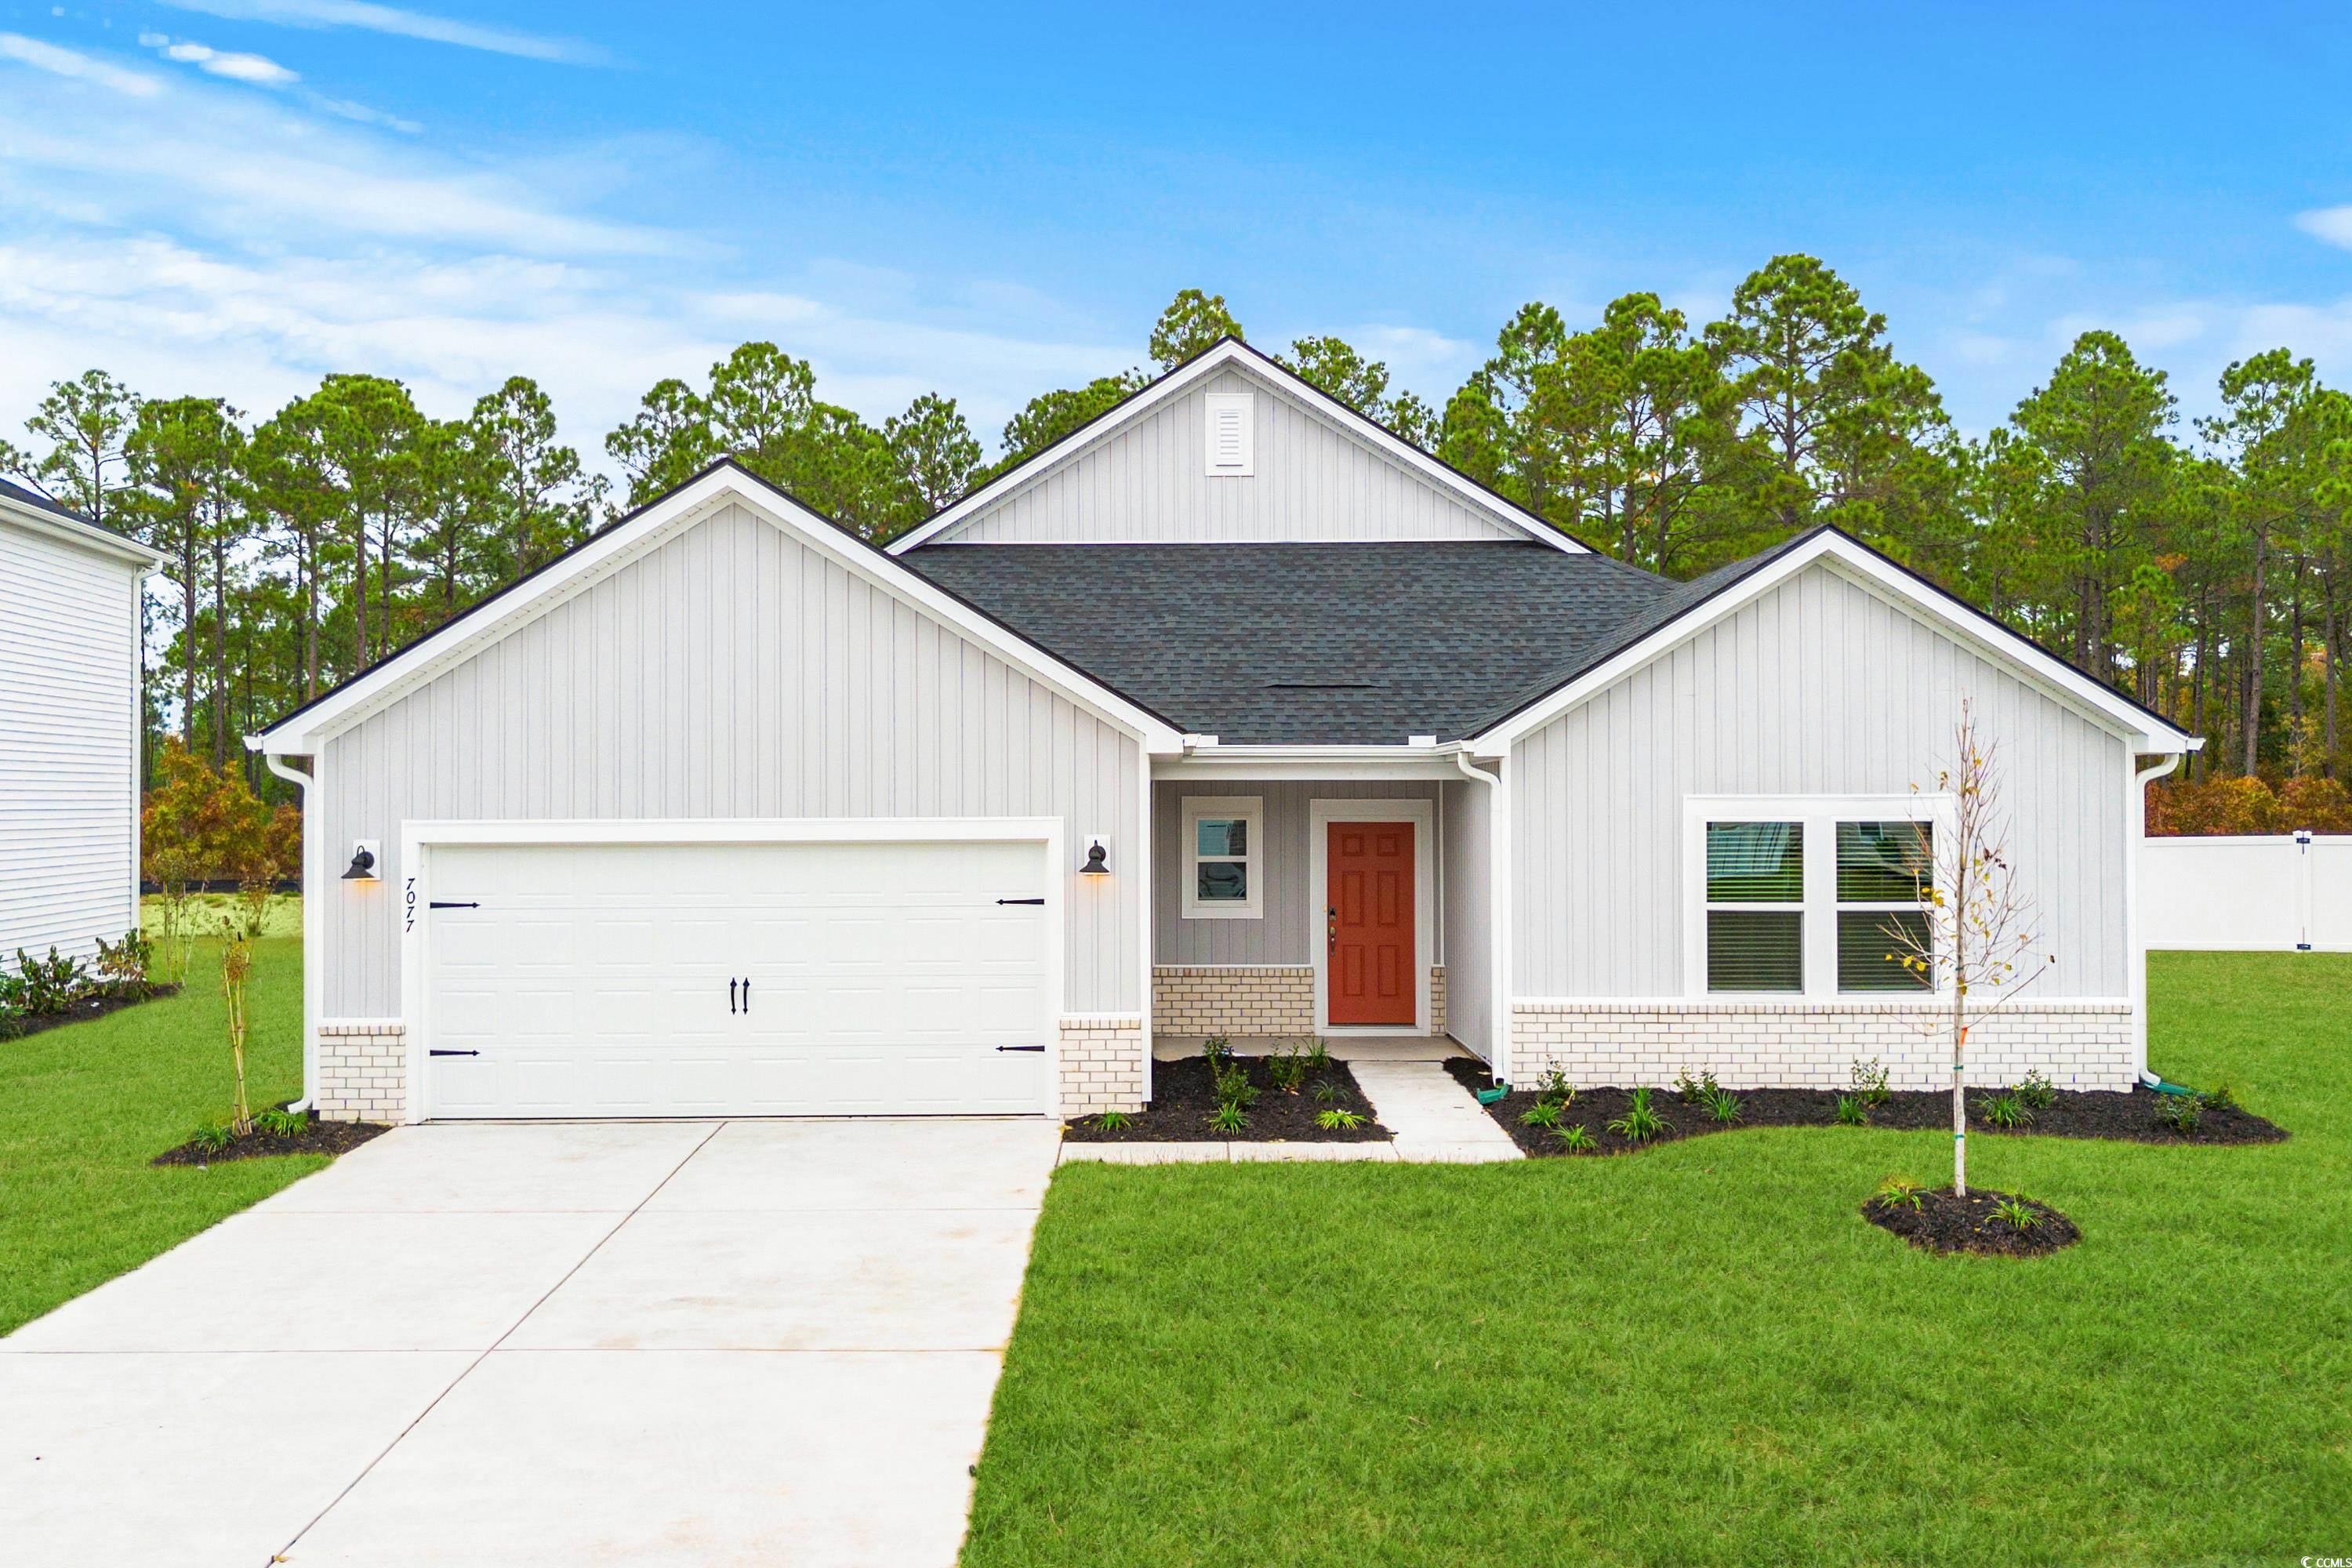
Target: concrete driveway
{"type": "Point", "coordinates": [714, 1342]}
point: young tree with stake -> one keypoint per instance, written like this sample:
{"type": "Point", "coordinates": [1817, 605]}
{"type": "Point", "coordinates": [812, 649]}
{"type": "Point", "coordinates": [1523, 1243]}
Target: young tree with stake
{"type": "Point", "coordinates": [1976, 931]}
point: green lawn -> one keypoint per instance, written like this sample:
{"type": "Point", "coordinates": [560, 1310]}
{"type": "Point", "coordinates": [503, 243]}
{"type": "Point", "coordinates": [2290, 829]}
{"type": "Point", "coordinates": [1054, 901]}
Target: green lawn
{"type": "Point", "coordinates": [1702, 1355]}
{"type": "Point", "coordinates": [82, 1110]}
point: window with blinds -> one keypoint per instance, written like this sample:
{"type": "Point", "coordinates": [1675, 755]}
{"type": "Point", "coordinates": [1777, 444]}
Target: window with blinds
{"type": "Point", "coordinates": [1755, 906]}
{"type": "Point", "coordinates": [1884, 873]}
{"type": "Point", "coordinates": [1813, 897]}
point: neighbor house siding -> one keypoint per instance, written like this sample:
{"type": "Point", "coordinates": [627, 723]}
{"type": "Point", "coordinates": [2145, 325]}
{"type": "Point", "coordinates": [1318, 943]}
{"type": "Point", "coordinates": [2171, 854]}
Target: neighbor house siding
{"type": "Point", "coordinates": [1466, 812]}
{"type": "Point", "coordinates": [68, 744]}
{"type": "Point", "coordinates": [730, 671]}
{"type": "Point", "coordinates": [1819, 687]}
{"type": "Point", "coordinates": [1147, 483]}
{"type": "Point", "coordinates": [1282, 935]}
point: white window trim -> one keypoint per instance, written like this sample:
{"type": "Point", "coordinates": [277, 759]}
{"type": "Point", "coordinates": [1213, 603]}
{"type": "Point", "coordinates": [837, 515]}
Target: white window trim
{"type": "Point", "coordinates": [1217, 404]}
{"type": "Point", "coordinates": [1246, 808]}
{"type": "Point", "coordinates": [1820, 814]}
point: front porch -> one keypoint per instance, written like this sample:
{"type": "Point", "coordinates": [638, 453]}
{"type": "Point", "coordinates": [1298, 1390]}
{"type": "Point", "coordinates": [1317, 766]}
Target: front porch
{"type": "Point", "coordinates": [1344, 907]}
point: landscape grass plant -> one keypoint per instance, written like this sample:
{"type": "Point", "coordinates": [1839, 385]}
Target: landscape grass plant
{"type": "Point", "coordinates": [83, 1108]}
{"type": "Point", "coordinates": [1706, 1355]}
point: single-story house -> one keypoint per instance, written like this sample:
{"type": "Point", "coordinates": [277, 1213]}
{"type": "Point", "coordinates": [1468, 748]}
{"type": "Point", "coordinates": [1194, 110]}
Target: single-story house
{"type": "Point", "coordinates": [1232, 713]}
{"type": "Point", "coordinates": [69, 728]}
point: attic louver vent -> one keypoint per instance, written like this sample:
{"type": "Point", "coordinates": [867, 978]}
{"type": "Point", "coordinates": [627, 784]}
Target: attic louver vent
{"type": "Point", "coordinates": [1232, 434]}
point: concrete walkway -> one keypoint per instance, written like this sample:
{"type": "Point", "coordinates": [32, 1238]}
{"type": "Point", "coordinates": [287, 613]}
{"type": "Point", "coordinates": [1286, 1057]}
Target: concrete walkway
{"type": "Point", "coordinates": [663, 1342]}
{"type": "Point", "coordinates": [1434, 1117]}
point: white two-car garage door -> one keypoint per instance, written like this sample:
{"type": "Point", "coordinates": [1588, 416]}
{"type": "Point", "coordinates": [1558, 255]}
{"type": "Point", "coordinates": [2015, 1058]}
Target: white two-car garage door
{"type": "Point", "coordinates": [761, 979]}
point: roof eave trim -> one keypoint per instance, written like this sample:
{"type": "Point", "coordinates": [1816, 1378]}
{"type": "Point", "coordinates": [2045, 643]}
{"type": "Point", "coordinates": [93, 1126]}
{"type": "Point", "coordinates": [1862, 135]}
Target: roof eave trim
{"type": "Point", "coordinates": [303, 730]}
{"type": "Point", "coordinates": [74, 531]}
{"type": "Point", "coordinates": [2150, 733]}
{"type": "Point", "coordinates": [1228, 351]}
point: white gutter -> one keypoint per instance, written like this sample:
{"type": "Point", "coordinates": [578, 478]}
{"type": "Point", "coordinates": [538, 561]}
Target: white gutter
{"type": "Point", "coordinates": [314, 968]}
{"type": "Point", "coordinates": [2138, 956]}
{"type": "Point", "coordinates": [1499, 898]}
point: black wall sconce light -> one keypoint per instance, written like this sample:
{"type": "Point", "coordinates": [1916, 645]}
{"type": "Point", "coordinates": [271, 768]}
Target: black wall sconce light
{"type": "Point", "coordinates": [366, 859]}
{"type": "Point", "coordinates": [1098, 857]}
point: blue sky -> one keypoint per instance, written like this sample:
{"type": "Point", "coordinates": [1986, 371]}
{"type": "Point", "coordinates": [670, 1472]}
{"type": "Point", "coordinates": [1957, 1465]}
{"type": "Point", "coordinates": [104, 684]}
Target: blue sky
{"type": "Point", "coordinates": [239, 195]}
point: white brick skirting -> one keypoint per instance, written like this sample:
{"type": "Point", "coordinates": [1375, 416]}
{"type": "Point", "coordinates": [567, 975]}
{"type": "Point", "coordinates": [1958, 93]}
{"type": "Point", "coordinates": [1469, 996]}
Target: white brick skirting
{"type": "Point", "coordinates": [1796, 1044]}
{"type": "Point", "coordinates": [1248, 1000]}
{"type": "Point", "coordinates": [362, 1070]}
{"type": "Point", "coordinates": [1104, 1065]}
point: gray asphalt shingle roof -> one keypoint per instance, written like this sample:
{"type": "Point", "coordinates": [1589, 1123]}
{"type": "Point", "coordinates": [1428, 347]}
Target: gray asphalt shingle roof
{"type": "Point", "coordinates": [1312, 644]}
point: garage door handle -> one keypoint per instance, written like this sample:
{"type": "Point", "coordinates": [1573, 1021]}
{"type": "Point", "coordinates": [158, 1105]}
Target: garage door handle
{"type": "Point", "coordinates": [1020, 1047]}
{"type": "Point", "coordinates": [453, 1053]}
{"type": "Point", "coordinates": [747, 996]}
{"type": "Point", "coordinates": [731, 998]}
{"type": "Point", "coordinates": [1020, 900]}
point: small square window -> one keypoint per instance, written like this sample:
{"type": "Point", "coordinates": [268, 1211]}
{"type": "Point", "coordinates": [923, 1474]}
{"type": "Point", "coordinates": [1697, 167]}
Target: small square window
{"type": "Point", "coordinates": [1220, 837]}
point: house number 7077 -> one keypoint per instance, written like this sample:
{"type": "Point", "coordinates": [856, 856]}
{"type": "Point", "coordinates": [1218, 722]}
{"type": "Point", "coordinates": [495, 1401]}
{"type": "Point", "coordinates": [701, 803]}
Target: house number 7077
{"type": "Point", "coordinates": [408, 907]}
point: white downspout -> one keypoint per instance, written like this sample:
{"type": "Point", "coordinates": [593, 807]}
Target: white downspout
{"type": "Point", "coordinates": [314, 969]}
{"type": "Point", "coordinates": [1499, 898]}
{"type": "Point", "coordinates": [2137, 955]}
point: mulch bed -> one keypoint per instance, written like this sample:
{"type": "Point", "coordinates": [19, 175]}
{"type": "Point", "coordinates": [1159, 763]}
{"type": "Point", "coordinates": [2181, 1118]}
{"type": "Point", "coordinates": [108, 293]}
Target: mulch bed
{"type": "Point", "coordinates": [1184, 1096]}
{"type": "Point", "coordinates": [316, 1138]}
{"type": "Point", "coordinates": [1945, 1221]}
{"type": "Point", "coordinates": [2128, 1116]}
{"type": "Point", "coordinates": [90, 1007]}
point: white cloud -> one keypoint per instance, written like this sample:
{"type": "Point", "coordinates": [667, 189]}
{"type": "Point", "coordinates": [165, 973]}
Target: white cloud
{"type": "Point", "coordinates": [256, 70]}
{"type": "Point", "coordinates": [344, 108]}
{"type": "Point", "coordinates": [2332, 225]}
{"type": "Point", "coordinates": [76, 66]}
{"type": "Point", "coordinates": [399, 23]}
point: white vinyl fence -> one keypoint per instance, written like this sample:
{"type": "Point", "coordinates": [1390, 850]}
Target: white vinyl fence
{"type": "Point", "coordinates": [2254, 894]}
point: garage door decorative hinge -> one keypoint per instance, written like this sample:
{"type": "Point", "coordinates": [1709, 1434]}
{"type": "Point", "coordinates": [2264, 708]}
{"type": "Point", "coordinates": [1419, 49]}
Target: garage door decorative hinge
{"type": "Point", "coordinates": [1020, 1047]}
{"type": "Point", "coordinates": [451, 904]}
{"type": "Point", "coordinates": [440, 1053]}
{"type": "Point", "coordinates": [1020, 900]}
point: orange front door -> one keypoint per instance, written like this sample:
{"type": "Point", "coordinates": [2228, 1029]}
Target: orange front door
{"type": "Point", "coordinates": [1367, 923]}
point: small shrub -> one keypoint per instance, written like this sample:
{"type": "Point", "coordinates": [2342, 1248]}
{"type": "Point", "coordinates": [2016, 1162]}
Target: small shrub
{"type": "Point", "coordinates": [1286, 1068]}
{"type": "Point", "coordinates": [2223, 1096]}
{"type": "Point", "coordinates": [1542, 1113]}
{"type": "Point", "coordinates": [212, 1136]}
{"type": "Point", "coordinates": [283, 1124]}
{"type": "Point", "coordinates": [1108, 1121]}
{"type": "Point", "coordinates": [1641, 1121]}
{"type": "Point", "coordinates": [1326, 1092]}
{"type": "Point", "coordinates": [1870, 1081]}
{"type": "Point", "coordinates": [2037, 1092]}
{"type": "Point", "coordinates": [1554, 1086]}
{"type": "Point", "coordinates": [1217, 1049]}
{"type": "Point", "coordinates": [2006, 1112]}
{"type": "Point", "coordinates": [1692, 1092]}
{"type": "Point", "coordinates": [123, 965]}
{"type": "Point", "coordinates": [1898, 1192]}
{"type": "Point", "coordinates": [47, 986]}
{"type": "Point", "coordinates": [1852, 1110]}
{"type": "Point", "coordinates": [1338, 1119]}
{"type": "Point", "coordinates": [1720, 1103]}
{"type": "Point", "coordinates": [1576, 1140]}
{"type": "Point", "coordinates": [2181, 1112]}
{"type": "Point", "coordinates": [1228, 1118]}
{"type": "Point", "coordinates": [1233, 1088]}
{"type": "Point", "coordinates": [2020, 1215]}
{"type": "Point", "coordinates": [12, 1021]}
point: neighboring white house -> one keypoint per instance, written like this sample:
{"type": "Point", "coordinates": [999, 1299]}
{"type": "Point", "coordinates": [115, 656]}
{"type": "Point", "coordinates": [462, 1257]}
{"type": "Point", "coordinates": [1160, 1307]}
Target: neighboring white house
{"type": "Point", "coordinates": [1231, 712]}
{"type": "Point", "coordinates": [69, 728]}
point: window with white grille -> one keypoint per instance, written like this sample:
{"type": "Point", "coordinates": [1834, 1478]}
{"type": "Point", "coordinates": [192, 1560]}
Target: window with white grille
{"type": "Point", "coordinates": [1233, 433]}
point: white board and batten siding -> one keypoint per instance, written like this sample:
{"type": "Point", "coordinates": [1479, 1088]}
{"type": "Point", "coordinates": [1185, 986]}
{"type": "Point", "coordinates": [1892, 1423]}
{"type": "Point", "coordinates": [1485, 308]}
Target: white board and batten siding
{"type": "Point", "coordinates": [68, 741]}
{"type": "Point", "coordinates": [730, 672]}
{"type": "Point", "coordinates": [2255, 893]}
{"type": "Point", "coordinates": [1149, 482]}
{"type": "Point", "coordinates": [1819, 687]}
